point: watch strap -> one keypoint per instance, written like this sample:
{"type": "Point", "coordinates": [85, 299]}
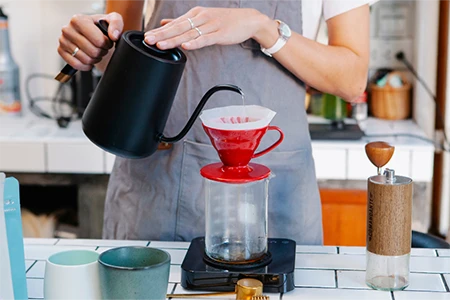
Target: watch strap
{"type": "Point", "coordinates": [275, 48]}
{"type": "Point", "coordinates": [281, 41]}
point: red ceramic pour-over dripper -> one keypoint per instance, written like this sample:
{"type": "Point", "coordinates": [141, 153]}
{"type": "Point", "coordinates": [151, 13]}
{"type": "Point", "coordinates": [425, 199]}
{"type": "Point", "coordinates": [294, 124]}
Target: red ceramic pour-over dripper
{"type": "Point", "coordinates": [236, 148]}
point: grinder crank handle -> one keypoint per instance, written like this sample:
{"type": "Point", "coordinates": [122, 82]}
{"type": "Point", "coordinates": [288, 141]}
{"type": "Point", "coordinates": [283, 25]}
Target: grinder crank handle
{"type": "Point", "coordinates": [68, 71]}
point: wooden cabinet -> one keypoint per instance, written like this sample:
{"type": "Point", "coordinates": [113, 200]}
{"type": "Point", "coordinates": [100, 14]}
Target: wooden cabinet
{"type": "Point", "coordinates": [344, 217]}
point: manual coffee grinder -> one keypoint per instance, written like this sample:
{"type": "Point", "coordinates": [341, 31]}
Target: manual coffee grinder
{"type": "Point", "coordinates": [389, 212]}
{"type": "Point", "coordinates": [236, 243]}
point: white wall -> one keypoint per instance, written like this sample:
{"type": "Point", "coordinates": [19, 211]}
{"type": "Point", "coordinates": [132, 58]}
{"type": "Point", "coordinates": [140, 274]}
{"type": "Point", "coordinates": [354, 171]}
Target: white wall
{"type": "Point", "coordinates": [425, 62]}
{"type": "Point", "coordinates": [418, 39]}
{"type": "Point", "coordinates": [35, 26]}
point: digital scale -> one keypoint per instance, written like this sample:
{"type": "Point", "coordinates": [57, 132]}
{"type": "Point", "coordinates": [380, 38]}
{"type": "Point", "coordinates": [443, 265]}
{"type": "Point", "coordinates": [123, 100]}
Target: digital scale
{"type": "Point", "coordinates": [275, 271]}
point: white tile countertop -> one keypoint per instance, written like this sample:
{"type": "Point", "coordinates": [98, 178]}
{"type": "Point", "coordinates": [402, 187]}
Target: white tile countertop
{"type": "Point", "coordinates": [37, 145]}
{"type": "Point", "coordinates": [322, 272]}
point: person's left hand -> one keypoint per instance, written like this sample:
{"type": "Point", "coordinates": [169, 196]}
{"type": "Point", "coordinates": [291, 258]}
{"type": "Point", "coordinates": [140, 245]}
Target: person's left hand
{"type": "Point", "coordinates": [204, 26]}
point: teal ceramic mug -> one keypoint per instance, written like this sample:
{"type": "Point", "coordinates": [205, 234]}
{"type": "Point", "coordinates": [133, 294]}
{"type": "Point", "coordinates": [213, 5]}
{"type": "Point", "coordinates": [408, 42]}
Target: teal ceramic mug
{"type": "Point", "coordinates": [134, 273]}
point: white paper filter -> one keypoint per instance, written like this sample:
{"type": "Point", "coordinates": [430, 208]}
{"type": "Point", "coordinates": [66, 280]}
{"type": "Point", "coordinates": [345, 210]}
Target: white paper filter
{"type": "Point", "coordinates": [237, 117]}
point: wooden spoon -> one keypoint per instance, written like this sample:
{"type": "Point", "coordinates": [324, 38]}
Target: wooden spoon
{"type": "Point", "coordinates": [379, 153]}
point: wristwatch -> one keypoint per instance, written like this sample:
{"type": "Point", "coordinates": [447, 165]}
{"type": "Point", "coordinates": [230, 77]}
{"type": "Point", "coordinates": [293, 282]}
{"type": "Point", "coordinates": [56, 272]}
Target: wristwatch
{"type": "Point", "coordinates": [285, 34]}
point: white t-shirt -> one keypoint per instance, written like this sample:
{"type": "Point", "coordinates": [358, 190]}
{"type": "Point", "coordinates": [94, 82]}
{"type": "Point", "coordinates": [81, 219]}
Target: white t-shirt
{"type": "Point", "coordinates": [313, 10]}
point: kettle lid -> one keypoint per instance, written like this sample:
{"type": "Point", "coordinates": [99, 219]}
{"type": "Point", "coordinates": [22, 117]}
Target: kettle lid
{"type": "Point", "coordinates": [136, 40]}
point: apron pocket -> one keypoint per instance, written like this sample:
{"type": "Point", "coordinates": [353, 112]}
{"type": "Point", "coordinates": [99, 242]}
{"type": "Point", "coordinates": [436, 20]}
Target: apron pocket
{"type": "Point", "coordinates": [294, 200]}
{"type": "Point", "coordinates": [191, 203]}
{"type": "Point", "coordinates": [293, 174]}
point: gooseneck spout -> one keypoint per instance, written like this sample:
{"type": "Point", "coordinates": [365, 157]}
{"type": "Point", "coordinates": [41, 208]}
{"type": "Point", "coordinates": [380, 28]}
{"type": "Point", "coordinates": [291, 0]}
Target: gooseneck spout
{"type": "Point", "coordinates": [197, 111]}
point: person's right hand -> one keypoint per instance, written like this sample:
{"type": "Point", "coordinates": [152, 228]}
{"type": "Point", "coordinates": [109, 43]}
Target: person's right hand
{"type": "Point", "coordinates": [93, 45]}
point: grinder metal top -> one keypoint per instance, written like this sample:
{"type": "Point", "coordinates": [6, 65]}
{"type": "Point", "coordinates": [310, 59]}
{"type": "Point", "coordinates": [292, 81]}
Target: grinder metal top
{"type": "Point", "coordinates": [390, 178]}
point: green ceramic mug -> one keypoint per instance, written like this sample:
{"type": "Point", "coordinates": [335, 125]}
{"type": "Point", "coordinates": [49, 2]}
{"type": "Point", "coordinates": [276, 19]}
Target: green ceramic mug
{"type": "Point", "coordinates": [134, 273]}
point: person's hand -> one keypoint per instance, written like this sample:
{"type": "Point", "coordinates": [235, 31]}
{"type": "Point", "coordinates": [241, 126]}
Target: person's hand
{"type": "Point", "coordinates": [82, 44]}
{"type": "Point", "coordinates": [202, 26]}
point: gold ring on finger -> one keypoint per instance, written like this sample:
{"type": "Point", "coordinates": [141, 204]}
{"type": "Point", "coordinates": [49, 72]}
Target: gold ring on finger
{"type": "Point", "coordinates": [199, 31]}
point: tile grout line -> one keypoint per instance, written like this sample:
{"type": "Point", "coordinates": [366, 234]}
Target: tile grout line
{"type": "Point", "coordinates": [445, 283]}
{"type": "Point", "coordinates": [336, 279]}
{"type": "Point", "coordinates": [32, 265]}
{"type": "Point", "coordinates": [173, 289]}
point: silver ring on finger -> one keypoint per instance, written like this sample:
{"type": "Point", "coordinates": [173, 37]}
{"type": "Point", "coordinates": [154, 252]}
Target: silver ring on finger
{"type": "Point", "coordinates": [199, 32]}
{"type": "Point", "coordinates": [75, 51]}
{"type": "Point", "coordinates": [191, 23]}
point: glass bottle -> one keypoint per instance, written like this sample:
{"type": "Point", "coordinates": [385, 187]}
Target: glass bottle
{"type": "Point", "coordinates": [10, 104]}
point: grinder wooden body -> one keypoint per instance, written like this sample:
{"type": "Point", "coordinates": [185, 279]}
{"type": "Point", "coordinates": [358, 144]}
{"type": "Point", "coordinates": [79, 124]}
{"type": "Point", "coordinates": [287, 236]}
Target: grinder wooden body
{"type": "Point", "coordinates": [389, 213]}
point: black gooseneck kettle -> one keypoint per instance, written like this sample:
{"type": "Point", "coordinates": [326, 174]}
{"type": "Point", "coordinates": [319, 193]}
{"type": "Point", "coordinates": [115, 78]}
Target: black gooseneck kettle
{"type": "Point", "coordinates": [128, 111]}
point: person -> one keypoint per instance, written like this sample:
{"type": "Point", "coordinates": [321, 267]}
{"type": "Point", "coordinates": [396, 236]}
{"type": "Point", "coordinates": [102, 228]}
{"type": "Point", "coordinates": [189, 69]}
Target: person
{"type": "Point", "coordinates": [160, 197]}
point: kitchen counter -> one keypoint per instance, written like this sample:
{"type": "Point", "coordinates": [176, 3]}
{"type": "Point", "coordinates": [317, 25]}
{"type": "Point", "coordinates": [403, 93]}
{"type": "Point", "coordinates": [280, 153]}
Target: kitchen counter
{"type": "Point", "coordinates": [322, 272]}
{"type": "Point", "coordinates": [37, 145]}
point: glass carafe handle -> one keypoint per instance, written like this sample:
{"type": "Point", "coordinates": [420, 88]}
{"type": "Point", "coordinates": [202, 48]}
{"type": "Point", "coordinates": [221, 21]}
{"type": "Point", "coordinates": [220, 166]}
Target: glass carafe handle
{"type": "Point", "coordinates": [274, 145]}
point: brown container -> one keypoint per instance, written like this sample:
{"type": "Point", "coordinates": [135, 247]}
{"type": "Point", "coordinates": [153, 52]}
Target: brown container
{"type": "Point", "coordinates": [391, 103]}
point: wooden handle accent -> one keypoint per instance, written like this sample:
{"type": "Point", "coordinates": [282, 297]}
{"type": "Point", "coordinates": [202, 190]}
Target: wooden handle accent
{"type": "Point", "coordinates": [389, 213]}
{"type": "Point", "coordinates": [379, 153]}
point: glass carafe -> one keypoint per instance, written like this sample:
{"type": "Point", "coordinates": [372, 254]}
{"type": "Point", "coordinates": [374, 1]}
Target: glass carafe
{"type": "Point", "coordinates": [236, 220]}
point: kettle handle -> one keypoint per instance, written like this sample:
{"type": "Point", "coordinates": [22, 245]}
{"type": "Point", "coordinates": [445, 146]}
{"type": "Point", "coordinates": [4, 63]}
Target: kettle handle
{"type": "Point", "coordinates": [103, 26]}
{"type": "Point", "coordinates": [68, 71]}
{"type": "Point", "coordinates": [198, 109]}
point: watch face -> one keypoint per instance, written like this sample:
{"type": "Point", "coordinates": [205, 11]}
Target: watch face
{"type": "Point", "coordinates": [285, 30]}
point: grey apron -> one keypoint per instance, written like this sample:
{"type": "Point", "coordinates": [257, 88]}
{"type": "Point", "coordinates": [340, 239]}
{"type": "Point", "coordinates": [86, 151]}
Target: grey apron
{"type": "Point", "coordinates": [160, 197]}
